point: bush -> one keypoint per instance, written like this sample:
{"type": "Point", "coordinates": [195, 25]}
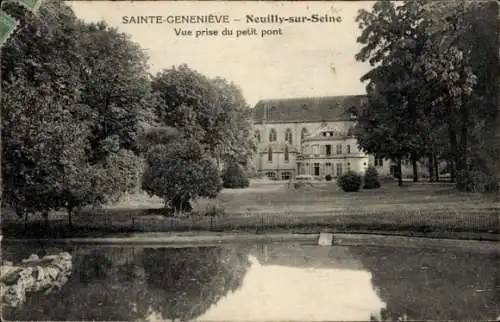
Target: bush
{"type": "Point", "coordinates": [478, 181]}
{"type": "Point", "coordinates": [328, 177]}
{"type": "Point", "coordinates": [301, 184]}
{"type": "Point", "coordinates": [371, 178]}
{"type": "Point", "coordinates": [350, 181]}
{"type": "Point", "coordinates": [179, 173]}
{"type": "Point", "coordinates": [235, 177]}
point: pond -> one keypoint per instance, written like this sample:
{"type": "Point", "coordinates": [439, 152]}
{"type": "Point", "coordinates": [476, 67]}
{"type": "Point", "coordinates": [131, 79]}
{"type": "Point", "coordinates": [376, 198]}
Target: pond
{"type": "Point", "coordinates": [266, 282]}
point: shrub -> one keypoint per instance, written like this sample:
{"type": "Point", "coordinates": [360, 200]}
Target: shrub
{"type": "Point", "coordinates": [350, 181]}
{"type": "Point", "coordinates": [328, 177]}
{"type": "Point", "coordinates": [478, 181]}
{"type": "Point", "coordinates": [371, 178]}
{"type": "Point", "coordinates": [180, 172]}
{"type": "Point", "coordinates": [235, 176]}
{"type": "Point", "coordinates": [299, 184]}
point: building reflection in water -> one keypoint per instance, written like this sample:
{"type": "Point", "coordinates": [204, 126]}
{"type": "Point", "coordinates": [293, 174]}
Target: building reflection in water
{"type": "Point", "coordinates": [266, 283]}
{"type": "Point", "coordinates": [306, 283]}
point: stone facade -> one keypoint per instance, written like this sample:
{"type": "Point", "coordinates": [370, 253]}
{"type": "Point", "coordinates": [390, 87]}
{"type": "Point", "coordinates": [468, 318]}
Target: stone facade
{"type": "Point", "coordinates": [313, 136]}
{"type": "Point", "coordinates": [308, 136]}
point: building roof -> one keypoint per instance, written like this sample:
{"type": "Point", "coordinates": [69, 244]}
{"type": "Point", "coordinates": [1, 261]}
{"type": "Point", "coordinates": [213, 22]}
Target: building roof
{"type": "Point", "coordinates": [308, 256]}
{"type": "Point", "coordinates": [307, 109]}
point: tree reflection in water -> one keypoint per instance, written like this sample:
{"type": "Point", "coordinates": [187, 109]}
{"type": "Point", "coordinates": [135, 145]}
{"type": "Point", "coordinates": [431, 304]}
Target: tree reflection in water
{"type": "Point", "coordinates": [439, 284]}
{"type": "Point", "coordinates": [184, 283]}
{"type": "Point", "coordinates": [124, 284]}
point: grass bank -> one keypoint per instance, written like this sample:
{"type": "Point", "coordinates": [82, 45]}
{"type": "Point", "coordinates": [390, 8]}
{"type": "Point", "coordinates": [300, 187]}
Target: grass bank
{"type": "Point", "coordinates": [416, 209]}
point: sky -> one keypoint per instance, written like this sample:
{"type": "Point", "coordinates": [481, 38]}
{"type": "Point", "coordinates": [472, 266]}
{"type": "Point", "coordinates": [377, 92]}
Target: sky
{"type": "Point", "coordinates": [307, 59]}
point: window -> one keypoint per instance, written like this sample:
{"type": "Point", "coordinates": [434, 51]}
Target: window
{"type": "Point", "coordinates": [285, 176]}
{"type": "Point", "coordinates": [315, 149]}
{"type": "Point", "coordinates": [316, 169]}
{"type": "Point", "coordinates": [339, 169]}
{"type": "Point", "coordinates": [300, 168]}
{"type": "Point", "coordinates": [257, 135]}
{"type": "Point", "coordinates": [339, 148]}
{"type": "Point", "coordinates": [379, 162]}
{"type": "Point", "coordinates": [270, 175]}
{"type": "Point", "coordinates": [348, 149]}
{"type": "Point", "coordinates": [288, 136]}
{"type": "Point", "coordinates": [328, 149]}
{"type": "Point", "coordinates": [270, 155]}
{"type": "Point", "coordinates": [286, 154]}
{"type": "Point", "coordinates": [272, 135]}
{"type": "Point", "coordinates": [303, 134]}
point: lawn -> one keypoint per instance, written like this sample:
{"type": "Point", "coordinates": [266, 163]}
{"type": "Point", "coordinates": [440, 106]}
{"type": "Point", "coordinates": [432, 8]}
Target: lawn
{"type": "Point", "coordinates": [415, 207]}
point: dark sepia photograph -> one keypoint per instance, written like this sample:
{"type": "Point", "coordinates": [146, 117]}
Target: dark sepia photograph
{"type": "Point", "coordinates": [250, 161]}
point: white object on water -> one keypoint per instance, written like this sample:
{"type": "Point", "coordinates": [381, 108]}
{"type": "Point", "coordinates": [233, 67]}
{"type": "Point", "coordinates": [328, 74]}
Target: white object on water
{"type": "Point", "coordinates": [325, 239]}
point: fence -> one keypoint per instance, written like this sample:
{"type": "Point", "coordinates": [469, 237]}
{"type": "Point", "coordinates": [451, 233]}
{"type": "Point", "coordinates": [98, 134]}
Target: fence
{"type": "Point", "coordinates": [437, 222]}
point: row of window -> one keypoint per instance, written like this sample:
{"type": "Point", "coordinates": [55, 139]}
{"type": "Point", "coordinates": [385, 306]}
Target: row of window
{"type": "Point", "coordinates": [270, 154]}
{"type": "Point", "coordinates": [325, 149]}
{"type": "Point", "coordinates": [315, 170]}
{"type": "Point", "coordinates": [273, 135]}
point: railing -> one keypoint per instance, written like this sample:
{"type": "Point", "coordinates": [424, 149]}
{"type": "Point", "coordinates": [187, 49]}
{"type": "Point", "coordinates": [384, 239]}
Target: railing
{"type": "Point", "coordinates": [436, 223]}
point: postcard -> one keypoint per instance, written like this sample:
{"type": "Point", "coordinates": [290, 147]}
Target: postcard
{"type": "Point", "coordinates": [249, 160]}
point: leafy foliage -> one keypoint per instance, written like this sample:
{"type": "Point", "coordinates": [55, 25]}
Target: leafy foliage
{"type": "Point", "coordinates": [349, 181]}
{"type": "Point", "coordinates": [234, 176]}
{"type": "Point", "coordinates": [328, 177]}
{"type": "Point", "coordinates": [371, 180]}
{"type": "Point", "coordinates": [115, 87]}
{"type": "Point", "coordinates": [71, 93]}
{"type": "Point", "coordinates": [212, 112]}
{"type": "Point", "coordinates": [179, 172]}
{"type": "Point", "coordinates": [428, 79]}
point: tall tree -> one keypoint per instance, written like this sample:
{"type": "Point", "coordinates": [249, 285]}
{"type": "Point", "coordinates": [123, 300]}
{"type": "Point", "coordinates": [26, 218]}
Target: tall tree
{"type": "Point", "coordinates": [431, 48]}
{"type": "Point", "coordinates": [391, 43]}
{"type": "Point", "coordinates": [211, 111]}
{"type": "Point", "coordinates": [58, 90]}
{"type": "Point", "coordinates": [42, 136]}
{"type": "Point", "coordinates": [116, 86]}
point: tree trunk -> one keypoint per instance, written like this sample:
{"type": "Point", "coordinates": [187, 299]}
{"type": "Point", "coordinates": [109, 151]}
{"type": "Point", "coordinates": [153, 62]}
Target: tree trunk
{"type": "Point", "coordinates": [45, 215]}
{"type": "Point", "coordinates": [415, 167]}
{"type": "Point", "coordinates": [70, 212]}
{"type": "Point", "coordinates": [462, 149]}
{"type": "Point", "coordinates": [452, 133]}
{"type": "Point", "coordinates": [400, 172]}
{"type": "Point", "coordinates": [436, 167]}
{"type": "Point", "coordinates": [25, 221]}
{"type": "Point", "coordinates": [430, 167]}
{"type": "Point", "coordinates": [181, 204]}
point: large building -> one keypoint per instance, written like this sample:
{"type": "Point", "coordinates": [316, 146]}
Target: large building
{"type": "Point", "coordinates": [309, 136]}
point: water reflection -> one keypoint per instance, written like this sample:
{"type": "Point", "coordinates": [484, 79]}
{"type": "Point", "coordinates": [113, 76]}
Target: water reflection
{"type": "Point", "coordinates": [306, 283]}
{"type": "Point", "coordinates": [268, 283]}
{"type": "Point", "coordinates": [434, 284]}
{"type": "Point", "coordinates": [184, 283]}
{"type": "Point", "coordinates": [123, 284]}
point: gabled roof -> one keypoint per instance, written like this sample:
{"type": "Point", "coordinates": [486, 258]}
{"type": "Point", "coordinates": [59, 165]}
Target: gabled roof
{"type": "Point", "coordinates": [308, 109]}
{"type": "Point", "coordinates": [331, 133]}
